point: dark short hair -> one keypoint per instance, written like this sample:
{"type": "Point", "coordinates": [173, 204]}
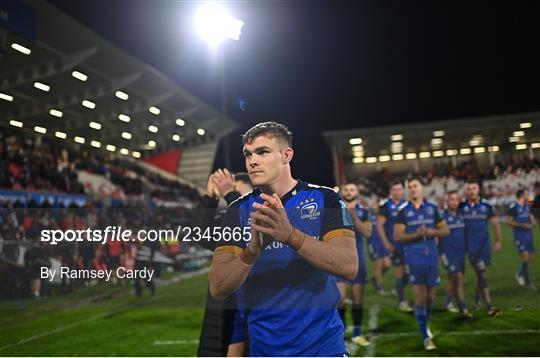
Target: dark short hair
{"type": "Point", "coordinates": [520, 193]}
{"type": "Point", "coordinates": [395, 182]}
{"type": "Point", "coordinates": [269, 129]}
{"type": "Point", "coordinates": [417, 178]}
{"type": "Point", "coordinates": [244, 178]}
{"type": "Point", "coordinates": [473, 182]}
{"type": "Point", "coordinates": [350, 183]}
{"type": "Point", "coordinates": [451, 192]}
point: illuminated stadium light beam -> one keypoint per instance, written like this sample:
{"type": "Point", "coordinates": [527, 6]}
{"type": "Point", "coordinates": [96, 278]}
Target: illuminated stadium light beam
{"type": "Point", "coordinates": [465, 151]}
{"type": "Point", "coordinates": [176, 137]}
{"type": "Point", "coordinates": [479, 150]}
{"type": "Point", "coordinates": [535, 145]}
{"type": "Point", "coordinates": [201, 131]}
{"type": "Point", "coordinates": [151, 143]}
{"type": "Point", "coordinates": [214, 24]}
{"type": "Point", "coordinates": [61, 135]}
{"type": "Point", "coordinates": [371, 160]}
{"type": "Point", "coordinates": [15, 123]}
{"type": "Point", "coordinates": [438, 153]}
{"type": "Point", "coordinates": [494, 148]}
{"type": "Point", "coordinates": [513, 139]}
{"type": "Point", "coordinates": [436, 141]}
{"type": "Point", "coordinates": [384, 158]}
{"type": "Point", "coordinates": [21, 48]}
{"type": "Point", "coordinates": [525, 125]}
{"type": "Point", "coordinates": [396, 137]}
{"type": "Point", "coordinates": [357, 160]}
{"type": "Point", "coordinates": [6, 97]}
{"type": "Point", "coordinates": [124, 151]}
{"type": "Point", "coordinates": [110, 148]}
{"type": "Point", "coordinates": [438, 133]}
{"type": "Point", "coordinates": [126, 135]}
{"type": "Point", "coordinates": [410, 156]}
{"type": "Point", "coordinates": [95, 144]}
{"type": "Point", "coordinates": [56, 113]}
{"type": "Point", "coordinates": [95, 125]}
{"type": "Point", "coordinates": [122, 95]}
{"type": "Point", "coordinates": [397, 157]}
{"type": "Point", "coordinates": [451, 152]}
{"type": "Point", "coordinates": [79, 75]}
{"type": "Point", "coordinates": [40, 129]}
{"type": "Point", "coordinates": [519, 133]}
{"type": "Point", "coordinates": [80, 140]}
{"type": "Point", "coordinates": [88, 104]}
{"type": "Point", "coordinates": [124, 118]}
{"type": "Point", "coordinates": [154, 110]}
{"type": "Point", "coordinates": [153, 129]}
{"type": "Point", "coordinates": [136, 154]}
{"type": "Point", "coordinates": [355, 141]}
{"type": "Point", "coordinates": [180, 122]}
{"type": "Point", "coordinates": [521, 146]}
{"type": "Point", "coordinates": [42, 86]}
{"type": "Point", "coordinates": [424, 154]}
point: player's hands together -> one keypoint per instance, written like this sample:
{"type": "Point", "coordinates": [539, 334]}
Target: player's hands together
{"type": "Point", "coordinates": [388, 246]}
{"type": "Point", "coordinates": [271, 219]}
{"type": "Point", "coordinates": [211, 187]}
{"type": "Point", "coordinates": [224, 181]}
{"type": "Point", "coordinates": [421, 231]}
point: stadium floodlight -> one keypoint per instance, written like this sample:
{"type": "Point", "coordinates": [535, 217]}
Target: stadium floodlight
{"type": "Point", "coordinates": [438, 133]}
{"type": "Point", "coordinates": [40, 129]}
{"type": "Point", "coordinates": [95, 143]}
{"type": "Point", "coordinates": [124, 151]}
{"type": "Point", "coordinates": [370, 160]}
{"type": "Point", "coordinates": [397, 157]}
{"type": "Point", "coordinates": [88, 104]}
{"type": "Point", "coordinates": [56, 113]}
{"type": "Point", "coordinates": [525, 125]}
{"type": "Point", "coordinates": [521, 146]}
{"type": "Point", "coordinates": [451, 152]}
{"type": "Point", "coordinates": [21, 48]}
{"type": "Point", "coordinates": [358, 160]}
{"type": "Point", "coordinates": [396, 147]}
{"type": "Point", "coordinates": [436, 141]}
{"type": "Point", "coordinates": [384, 158]}
{"type": "Point", "coordinates": [176, 137]}
{"type": "Point", "coordinates": [153, 129]}
{"type": "Point", "coordinates": [110, 148]}
{"type": "Point", "coordinates": [201, 131]}
{"type": "Point", "coordinates": [61, 135]}
{"type": "Point", "coordinates": [151, 143]}
{"type": "Point", "coordinates": [519, 133]}
{"type": "Point", "coordinates": [126, 135]}
{"type": "Point", "coordinates": [479, 150]}
{"type": "Point", "coordinates": [80, 140]}
{"type": "Point", "coordinates": [42, 86]}
{"type": "Point", "coordinates": [396, 137]}
{"type": "Point", "coordinates": [6, 97]}
{"type": "Point", "coordinates": [15, 123]}
{"type": "Point", "coordinates": [438, 153]}
{"type": "Point", "coordinates": [494, 148]}
{"type": "Point", "coordinates": [355, 141]}
{"type": "Point", "coordinates": [124, 118]}
{"type": "Point", "coordinates": [424, 154]}
{"type": "Point", "coordinates": [180, 122]}
{"type": "Point", "coordinates": [358, 153]}
{"type": "Point", "coordinates": [535, 145]}
{"type": "Point", "coordinates": [136, 154]}
{"type": "Point", "coordinates": [95, 125]}
{"type": "Point", "coordinates": [154, 110]}
{"type": "Point", "coordinates": [410, 156]}
{"type": "Point", "coordinates": [122, 95]}
{"type": "Point", "coordinates": [214, 24]}
{"type": "Point", "coordinates": [465, 151]}
{"type": "Point", "coordinates": [357, 148]}
{"type": "Point", "coordinates": [513, 139]}
{"type": "Point", "coordinates": [79, 75]}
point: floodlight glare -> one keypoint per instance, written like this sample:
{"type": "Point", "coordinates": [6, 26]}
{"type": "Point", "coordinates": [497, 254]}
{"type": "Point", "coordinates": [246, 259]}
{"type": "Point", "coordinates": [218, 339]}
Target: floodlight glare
{"type": "Point", "coordinates": [214, 24]}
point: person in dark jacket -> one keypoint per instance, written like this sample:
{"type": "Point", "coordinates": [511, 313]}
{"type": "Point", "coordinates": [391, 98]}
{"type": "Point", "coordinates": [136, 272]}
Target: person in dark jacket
{"type": "Point", "coordinates": [222, 331]}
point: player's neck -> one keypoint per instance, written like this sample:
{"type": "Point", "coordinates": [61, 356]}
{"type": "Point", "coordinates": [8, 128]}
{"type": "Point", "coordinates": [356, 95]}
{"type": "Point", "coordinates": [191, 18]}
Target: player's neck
{"type": "Point", "coordinates": [395, 200]}
{"type": "Point", "coordinates": [475, 201]}
{"type": "Point", "coordinates": [280, 187]}
{"type": "Point", "coordinates": [521, 202]}
{"type": "Point", "coordinates": [417, 202]}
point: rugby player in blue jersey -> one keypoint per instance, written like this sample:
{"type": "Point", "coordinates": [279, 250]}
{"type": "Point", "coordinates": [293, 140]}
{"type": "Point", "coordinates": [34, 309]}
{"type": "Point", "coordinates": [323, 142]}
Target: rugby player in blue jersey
{"type": "Point", "coordinates": [385, 227]}
{"type": "Point", "coordinates": [452, 252]}
{"type": "Point", "coordinates": [521, 220]}
{"type": "Point", "coordinates": [363, 226]}
{"type": "Point", "coordinates": [478, 214]}
{"type": "Point", "coordinates": [417, 225]}
{"type": "Point", "coordinates": [377, 252]}
{"type": "Point", "coordinates": [299, 237]}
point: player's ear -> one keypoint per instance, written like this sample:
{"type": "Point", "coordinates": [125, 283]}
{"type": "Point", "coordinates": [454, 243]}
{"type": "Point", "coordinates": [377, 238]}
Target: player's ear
{"type": "Point", "coordinates": [287, 155]}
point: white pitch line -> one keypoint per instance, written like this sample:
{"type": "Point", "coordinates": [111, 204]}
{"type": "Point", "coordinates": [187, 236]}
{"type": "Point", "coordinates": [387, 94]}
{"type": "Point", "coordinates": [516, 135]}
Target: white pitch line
{"type": "Point", "coordinates": [463, 333]}
{"type": "Point", "coordinates": [178, 341]}
{"type": "Point", "coordinates": [373, 323]}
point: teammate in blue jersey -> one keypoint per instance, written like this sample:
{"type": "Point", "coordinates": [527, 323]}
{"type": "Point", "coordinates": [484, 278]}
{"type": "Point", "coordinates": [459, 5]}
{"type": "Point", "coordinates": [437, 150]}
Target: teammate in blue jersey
{"type": "Point", "coordinates": [295, 238]}
{"type": "Point", "coordinates": [452, 252]}
{"type": "Point", "coordinates": [377, 252]}
{"type": "Point", "coordinates": [385, 227]}
{"type": "Point", "coordinates": [521, 220]}
{"type": "Point", "coordinates": [478, 214]}
{"type": "Point", "coordinates": [363, 227]}
{"type": "Point", "coordinates": [417, 225]}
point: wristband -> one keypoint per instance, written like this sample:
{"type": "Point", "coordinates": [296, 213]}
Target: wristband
{"type": "Point", "coordinates": [296, 240]}
{"type": "Point", "coordinates": [248, 257]}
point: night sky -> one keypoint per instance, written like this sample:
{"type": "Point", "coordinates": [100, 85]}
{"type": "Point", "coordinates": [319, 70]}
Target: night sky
{"type": "Point", "coordinates": [318, 66]}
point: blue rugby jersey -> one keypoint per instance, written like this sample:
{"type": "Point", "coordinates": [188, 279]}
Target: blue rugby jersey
{"type": "Point", "coordinates": [420, 251]}
{"type": "Point", "coordinates": [476, 223]}
{"type": "Point", "coordinates": [521, 215]}
{"type": "Point", "coordinates": [455, 241]}
{"type": "Point", "coordinates": [389, 209]}
{"type": "Point", "coordinates": [362, 214]}
{"type": "Point", "coordinates": [291, 305]}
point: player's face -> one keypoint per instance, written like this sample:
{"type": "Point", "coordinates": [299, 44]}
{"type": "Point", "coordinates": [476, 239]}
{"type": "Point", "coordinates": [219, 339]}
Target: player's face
{"type": "Point", "coordinates": [396, 192]}
{"type": "Point", "coordinates": [375, 206]}
{"type": "Point", "coordinates": [453, 201]}
{"type": "Point", "coordinates": [415, 190]}
{"type": "Point", "coordinates": [473, 191]}
{"type": "Point", "coordinates": [266, 160]}
{"type": "Point", "coordinates": [350, 192]}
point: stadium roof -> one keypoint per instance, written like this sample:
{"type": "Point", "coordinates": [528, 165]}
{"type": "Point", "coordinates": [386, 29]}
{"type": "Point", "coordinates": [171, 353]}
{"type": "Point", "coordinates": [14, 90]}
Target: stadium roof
{"type": "Point", "coordinates": [110, 93]}
{"type": "Point", "coordinates": [447, 138]}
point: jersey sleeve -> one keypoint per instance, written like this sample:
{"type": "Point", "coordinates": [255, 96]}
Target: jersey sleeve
{"type": "Point", "coordinates": [400, 219]}
{"type": "Point", "coordinates": [437, 216]}
{"type": "Point", "coordinates": [336, 221]}
{"type": "Point", "coordinates": [362, 213]}
{"type": "Point", "coordinates": [383, 210]}
{"type": "Point", "coordinates": [512, 211]}
{"type": "Point", "coordinates": [230, 221]}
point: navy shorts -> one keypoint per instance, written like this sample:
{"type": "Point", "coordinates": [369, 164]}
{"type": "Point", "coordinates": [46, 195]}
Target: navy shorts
{"type": "Point", "coordinates": [453, 262]}
{"type": "Point", "coordinates": [427, 275]}
{"type": "Point", "coordinates": [524, 243]}
{"type": "Point", "coordinates": [481, 257]}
